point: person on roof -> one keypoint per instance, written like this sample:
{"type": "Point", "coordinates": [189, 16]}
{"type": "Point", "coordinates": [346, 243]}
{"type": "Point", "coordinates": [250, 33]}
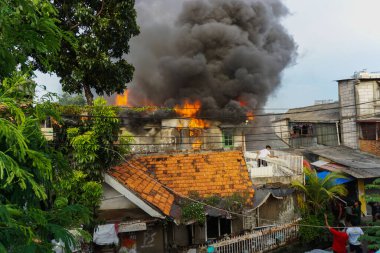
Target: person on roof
{"type": "Point", "coordinates": [340, 239]}
{"type": "Point", "coordinates": [262, 154]}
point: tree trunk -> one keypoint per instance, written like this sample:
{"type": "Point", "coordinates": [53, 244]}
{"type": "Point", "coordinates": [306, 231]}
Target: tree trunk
{"type": "Point", "coordinates": [88, 94]}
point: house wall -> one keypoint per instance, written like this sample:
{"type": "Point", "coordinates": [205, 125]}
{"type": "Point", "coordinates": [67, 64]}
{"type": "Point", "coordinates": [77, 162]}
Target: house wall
{"type": "Point", "coordinates": [173, 134]}
{"type": "Point", "coordinates": [250, 219]}
{"type": "Point", "coordinates": [278, 210]}
{"type": "Point", "coordinates": [179, 235]}
{"type": "Point", "coordinates": [112, 199]}
{"type": "Point", "coordinates": [326, 134]}
{"type": "Point", "coordinates": [347, 101]}
{"type": "Point", "coordinates": [281, 128]}
{"type": "Point", "coordinates": [367, 91]}
{"type": "Point", "coordinates": [237, 225]}
{"type": "Point", "coordinates": [362, 93]}
{"type": "Point", "coordinates": [272, 211]}
{"type": "Point", "coordinates": [148, 241]}
{"type": "Point", "coordinates": [199, 234]}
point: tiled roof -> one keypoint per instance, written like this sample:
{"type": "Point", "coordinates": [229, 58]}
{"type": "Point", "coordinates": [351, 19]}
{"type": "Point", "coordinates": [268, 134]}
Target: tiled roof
{"type": "Point", "coordinates": [135, 177]}
{"type": "Point", "coordinates": [207, 173]}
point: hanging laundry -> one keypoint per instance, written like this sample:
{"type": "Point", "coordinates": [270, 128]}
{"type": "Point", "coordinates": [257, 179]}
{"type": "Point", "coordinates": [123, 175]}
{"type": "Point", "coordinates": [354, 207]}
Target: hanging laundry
{"type": "Point", "coordinates": [105, 235]}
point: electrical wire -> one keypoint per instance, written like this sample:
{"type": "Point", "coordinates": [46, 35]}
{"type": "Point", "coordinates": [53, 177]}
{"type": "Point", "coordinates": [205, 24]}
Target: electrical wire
{"type": "Point", "coordinates": [245, 134]}
{"type": "Point", "coordinates": [212, 142]}
{"type": "Point", "coordinates": [243, 117]}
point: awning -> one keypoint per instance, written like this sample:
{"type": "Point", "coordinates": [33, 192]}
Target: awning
{"type": "Point", "coordinates": [323, 174]}
{"type": "Point", "coordinates": [335, 167]}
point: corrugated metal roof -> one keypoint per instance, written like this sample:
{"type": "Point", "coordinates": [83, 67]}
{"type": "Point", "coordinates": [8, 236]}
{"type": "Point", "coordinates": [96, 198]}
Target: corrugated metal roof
{"type": "Point", "coordinates": [315, 113]}
{"type": "Point", "coordinates": [350, 161]}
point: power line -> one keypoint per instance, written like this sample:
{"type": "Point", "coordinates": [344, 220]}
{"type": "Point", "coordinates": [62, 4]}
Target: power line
{"type": "Point", "coordinates": [214, 142]}
{"type": "Point", "coordinates": [203, 117]}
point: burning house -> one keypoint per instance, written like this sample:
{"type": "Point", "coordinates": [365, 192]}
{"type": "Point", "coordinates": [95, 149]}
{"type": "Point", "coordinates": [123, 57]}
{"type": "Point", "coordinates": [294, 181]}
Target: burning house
{"type": "Point", "coordinates": [196, 87]}
{"type": "Point", "coordinates": [215, 66]}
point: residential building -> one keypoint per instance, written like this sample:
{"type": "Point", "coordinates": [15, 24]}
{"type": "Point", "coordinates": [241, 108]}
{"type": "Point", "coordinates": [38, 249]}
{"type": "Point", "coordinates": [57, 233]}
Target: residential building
{"type": "Point", "coordinates": [146, 196]}
{"type": "Point", "coordinates": [360, 168]}
{"type": "Point", "coordinates": [152, 189]}
{"type": "Point", "coordinates": [178, 135]}
{"type": "Point", "coordinates": [309, 126]}
{"type": "Point", "coordinates": [359, 99]}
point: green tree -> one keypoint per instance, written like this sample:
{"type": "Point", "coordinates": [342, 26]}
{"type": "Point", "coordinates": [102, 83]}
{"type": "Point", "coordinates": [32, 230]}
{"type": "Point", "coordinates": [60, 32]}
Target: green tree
{"type": "Point", "coordinates": [315, 195]}
{"type": "Point", "coordinates": [29, 215]}
{"type": "Point", "coordinates": [103, 30]}
{"type": "Point", "coordinates": [28, 34]}
{"type": "Point", "coordinates": [96, 143]}
{"type": "Point", "coordinates": [319, 192]}
{"type": "Point", "coordinates": [372, 235]}
{"type": "Point", "coordinates": [67, 99]}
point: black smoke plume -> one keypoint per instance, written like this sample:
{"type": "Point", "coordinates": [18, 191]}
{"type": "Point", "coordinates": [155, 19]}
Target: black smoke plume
{"type": "Point", "coordinates": [229, 54]}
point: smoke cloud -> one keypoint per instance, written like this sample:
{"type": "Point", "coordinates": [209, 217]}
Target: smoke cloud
{"type": "Point", "coordinates": [229, 54]}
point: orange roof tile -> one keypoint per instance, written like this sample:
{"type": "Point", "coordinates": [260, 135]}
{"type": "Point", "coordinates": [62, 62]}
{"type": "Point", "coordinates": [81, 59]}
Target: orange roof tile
{"type": "Point", "coordinates": [134, 176]}
{"type": "Point", "coordinates": [207, 173]}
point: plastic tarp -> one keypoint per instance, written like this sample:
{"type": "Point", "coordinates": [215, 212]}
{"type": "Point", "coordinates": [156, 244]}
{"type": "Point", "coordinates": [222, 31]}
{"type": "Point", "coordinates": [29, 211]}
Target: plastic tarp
{"type": "Point", "coordinates": [323, 174]}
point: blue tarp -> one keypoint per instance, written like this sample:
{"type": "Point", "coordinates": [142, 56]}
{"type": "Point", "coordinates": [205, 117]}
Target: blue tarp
{"type": "Point", "coordinates": [323, 174]}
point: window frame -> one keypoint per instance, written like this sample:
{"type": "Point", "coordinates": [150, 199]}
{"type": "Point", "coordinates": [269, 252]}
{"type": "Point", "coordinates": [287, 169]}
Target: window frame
{"type": "Point", "coordinates": [228, 138]}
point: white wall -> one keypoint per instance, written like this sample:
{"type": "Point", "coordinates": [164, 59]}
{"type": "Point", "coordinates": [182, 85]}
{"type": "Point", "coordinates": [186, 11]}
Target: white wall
{"type": "Point", "coordinates": [347, 103]}
{"type": "Point", "coordinates": [281, 129]}
{"type": "Point", "coordinates": [112, 199]}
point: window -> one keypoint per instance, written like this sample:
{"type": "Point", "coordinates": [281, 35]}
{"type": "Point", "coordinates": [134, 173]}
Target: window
{"type": "Point", "coordinates": [368, 131]}
{"type": "Point", "coordinates": [217, 227]}
{"type": "Point", "coordinates": [228, 138]}
{"type": "Point", "coordinates": [212, 228]}
{"type": "Point", "coordinates": [302, 130]}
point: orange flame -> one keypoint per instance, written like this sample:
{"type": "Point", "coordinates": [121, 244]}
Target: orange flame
{"type": "Point", "coordinates": [122, 100]}
{"type": "Point", "coordinates": [249, 116]}
{"type": "Point", "coordinates": [190, 110]}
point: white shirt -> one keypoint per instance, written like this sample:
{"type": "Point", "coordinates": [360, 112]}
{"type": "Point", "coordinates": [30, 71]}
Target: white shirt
{"type": "Point", "coordinates": [353, 235]}
{"type": "Point", "coordinates": [263, 153]}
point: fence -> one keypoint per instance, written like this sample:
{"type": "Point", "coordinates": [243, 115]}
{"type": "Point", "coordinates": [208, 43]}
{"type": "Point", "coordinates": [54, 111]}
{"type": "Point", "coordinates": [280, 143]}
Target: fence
{"type": "Point", "coordinates": [259, 241]}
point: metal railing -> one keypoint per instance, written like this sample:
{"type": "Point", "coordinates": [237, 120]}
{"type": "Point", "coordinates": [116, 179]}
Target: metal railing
{"type": "Point", "coordinates": [259, 241]}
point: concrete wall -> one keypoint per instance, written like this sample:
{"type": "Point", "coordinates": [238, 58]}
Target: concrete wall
{"type": "Point", "coordinates": [363, 94]}
{"type": "Point", "coordinates": [347, 101]}
{"type": "Point", "coordinates": [366, 93]}
{"type": "Point", "coordinates": [148, 241]}
{"type": "Point", "coordinates": [112, 199]}
{"type": "Point", "coordinates": [281, 128]}
{"type": "Point", "coordinates": [272, 211]}
{"type": "Point", "coordinates": [174, 134]}
{"type": "Point", "coordinates": [279, 210]}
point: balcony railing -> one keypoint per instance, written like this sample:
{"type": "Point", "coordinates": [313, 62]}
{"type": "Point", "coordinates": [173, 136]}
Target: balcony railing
{"type": "Point", "coordinates": [284, 165]}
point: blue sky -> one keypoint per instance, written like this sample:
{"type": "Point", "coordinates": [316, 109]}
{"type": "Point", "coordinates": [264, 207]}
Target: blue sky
{"type": "Point", "coordinates": [335, 38]}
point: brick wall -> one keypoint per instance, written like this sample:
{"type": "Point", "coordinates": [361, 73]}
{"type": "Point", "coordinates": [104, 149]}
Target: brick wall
{"type": "Point", "coordinates": [370, 146]}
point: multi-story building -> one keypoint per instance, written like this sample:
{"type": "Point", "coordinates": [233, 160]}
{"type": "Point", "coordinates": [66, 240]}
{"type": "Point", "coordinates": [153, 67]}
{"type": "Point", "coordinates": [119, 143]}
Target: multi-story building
{"type": "Point", "coordinates": [359, 99]}
{"type": "Point", "coordinates": [309, 126]}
